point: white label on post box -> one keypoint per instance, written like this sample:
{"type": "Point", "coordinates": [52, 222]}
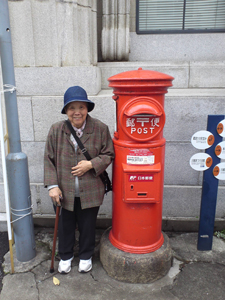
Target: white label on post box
{"type": "Point", "coordinates": [201, 161]}
{"type": "Point", "coordinates": [202, 139]}
{"type": "Point", "coordinates": [140, 157]}
{"type": "Point", "coordinates": [219, 171]}
{"type": "Point", "coordinates": [221, 128]}
{"type": "Point", "coordinates": [220, 150]}
{"type": "Point", "coordinates": [140, 160]}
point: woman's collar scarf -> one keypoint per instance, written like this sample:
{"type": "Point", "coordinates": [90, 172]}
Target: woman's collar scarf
{"type": "Point", "coordinates": [79, 132]}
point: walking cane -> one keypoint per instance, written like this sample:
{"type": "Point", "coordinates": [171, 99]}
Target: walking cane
{"type": "Point", "coordinates": [55, 237]}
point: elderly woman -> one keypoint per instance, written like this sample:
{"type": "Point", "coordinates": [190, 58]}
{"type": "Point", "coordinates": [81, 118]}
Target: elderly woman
{"type": "Point", "coordinates": [72, 180]}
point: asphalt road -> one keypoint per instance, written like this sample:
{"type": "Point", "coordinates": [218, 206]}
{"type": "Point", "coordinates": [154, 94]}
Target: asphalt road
{"type": "Point", "coordinates": [4, 247]}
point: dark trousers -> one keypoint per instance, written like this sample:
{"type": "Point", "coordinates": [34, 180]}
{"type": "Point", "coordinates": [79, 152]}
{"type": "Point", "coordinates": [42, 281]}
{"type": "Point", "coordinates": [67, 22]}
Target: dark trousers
{"type": "Point", "coordinates": [86, 221]}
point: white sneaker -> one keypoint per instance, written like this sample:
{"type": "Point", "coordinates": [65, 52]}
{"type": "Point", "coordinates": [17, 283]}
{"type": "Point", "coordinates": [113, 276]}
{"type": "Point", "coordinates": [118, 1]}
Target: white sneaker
{"type": "Point", "coordinates": [85, 265]}
{"type": "Point", "coordinates": [65, 266]}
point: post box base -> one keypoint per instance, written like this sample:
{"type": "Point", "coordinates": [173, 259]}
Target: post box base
{"type": "Point", "coordinates": [135, 268]}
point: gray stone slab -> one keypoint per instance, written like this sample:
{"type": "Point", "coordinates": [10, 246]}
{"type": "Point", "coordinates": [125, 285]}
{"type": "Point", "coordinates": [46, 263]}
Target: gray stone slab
{"type": "Point", "coordinates": [55, 80]}
{"type": "Point", "coordinates": [42, 199]}
{"type": "Point", "coordinates": [208, 74]}
{"type": "Point", "coordinates": [186, 115]}
{"type": "Point", "coordinates": [177, 47]}
{"type": "Point", "coordinates": [19, 286]}
{"type": "Point", "coordinates": [43, 253]}
{"type": "Point", "coordinates": [38, 197]}
{"type": "Point", "coordinates": [220, 204]}
{"type": "Point", "coordinates": [177, 168]}
{"type": "Point", "coordinates": [105, 110]}
{"type": "Point", "coordinates": [200, 281]}
{"type": "Point", "coordinates": [25, 118]}
{"type": "Point", "coordinates": [185, 249]}
{"type": "Point", "coordinates": [179, 70]}
{"type": "Point", "coordinates": [98, 285]}
{"type": "Point", "coordinates": [185, 202]}
{"type": "Point", "coordinates": [46, 111]}
{"type": "Point", "coordinates": [181, 201]}
{"type": "Point", "coordinates": [22, 33]}
{"type": "Point", "coordinates": [35, 155]}
{"type": "Point", "coordinates": [44, 20]}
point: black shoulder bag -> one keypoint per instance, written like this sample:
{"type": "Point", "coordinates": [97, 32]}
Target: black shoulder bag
{"type": "Point", "coordinates": [104, 176]}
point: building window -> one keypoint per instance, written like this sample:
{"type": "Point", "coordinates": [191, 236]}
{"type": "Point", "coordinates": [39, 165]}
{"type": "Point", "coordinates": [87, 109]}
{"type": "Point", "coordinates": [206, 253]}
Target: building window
{"type": "Point", "coordinates": [180, 16]}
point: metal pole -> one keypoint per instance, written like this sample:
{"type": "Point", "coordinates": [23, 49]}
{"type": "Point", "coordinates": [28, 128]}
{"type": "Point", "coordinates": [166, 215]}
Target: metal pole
{"type": "Point", "coordinates": [6, 191]}
{"type": "Point", "coordinates": [16, 161]}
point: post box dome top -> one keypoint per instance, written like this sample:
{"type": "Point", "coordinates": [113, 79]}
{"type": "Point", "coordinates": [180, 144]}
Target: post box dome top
{"type": "Point", "coordinates": [130, 81]}
{"type": "Point", "coordinates": [140, 74]}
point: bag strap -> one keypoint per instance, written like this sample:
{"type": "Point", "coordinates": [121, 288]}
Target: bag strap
{"type": "Point", "coordinates": [84, 150]}
{"type": "Point", "coordinates": [81, 146]}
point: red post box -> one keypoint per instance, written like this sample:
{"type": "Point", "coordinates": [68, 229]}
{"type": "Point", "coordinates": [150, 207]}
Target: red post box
{"type": "Point", "coordinates": [138, 169]}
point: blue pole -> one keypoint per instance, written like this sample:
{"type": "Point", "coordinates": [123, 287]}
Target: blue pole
{"type": "Point", "coordinates": [16, 161]}
{"type": "Point", "coordinates": [209, 191]}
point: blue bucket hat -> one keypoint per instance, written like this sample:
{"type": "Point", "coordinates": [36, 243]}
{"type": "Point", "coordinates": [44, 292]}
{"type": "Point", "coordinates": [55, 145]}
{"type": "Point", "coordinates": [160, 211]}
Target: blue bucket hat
{"type": "Point", "coordinates": [76, 93]}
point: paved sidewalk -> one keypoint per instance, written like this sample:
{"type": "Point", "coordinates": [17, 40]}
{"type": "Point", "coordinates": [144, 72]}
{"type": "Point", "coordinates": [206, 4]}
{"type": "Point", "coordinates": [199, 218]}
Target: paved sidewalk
{"type": "Point", "coordinates": [194, 275]}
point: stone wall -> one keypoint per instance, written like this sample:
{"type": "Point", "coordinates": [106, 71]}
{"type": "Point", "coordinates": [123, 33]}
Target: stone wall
{"type": "Point", "coordinates": [55, 46]}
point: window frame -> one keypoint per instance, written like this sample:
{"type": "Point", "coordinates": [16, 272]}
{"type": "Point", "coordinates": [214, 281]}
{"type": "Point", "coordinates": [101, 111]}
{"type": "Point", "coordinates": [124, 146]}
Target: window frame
{"type": "Point", "coordinates": [175, 31]}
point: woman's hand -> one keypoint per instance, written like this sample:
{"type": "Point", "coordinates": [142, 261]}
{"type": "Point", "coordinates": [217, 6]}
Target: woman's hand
{"type": "Point", "coordinates": [81, 168]}
{"type": "Point", "coordinates": [55, 193]}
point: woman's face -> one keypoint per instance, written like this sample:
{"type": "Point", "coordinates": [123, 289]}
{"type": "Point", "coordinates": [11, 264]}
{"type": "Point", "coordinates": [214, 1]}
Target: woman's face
{"type": "Point", "coordinates": [77, 112]}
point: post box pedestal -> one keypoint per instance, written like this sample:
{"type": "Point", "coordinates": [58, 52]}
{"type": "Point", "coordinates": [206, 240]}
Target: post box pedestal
{"type": "Point", "coordinates": [135, 268]}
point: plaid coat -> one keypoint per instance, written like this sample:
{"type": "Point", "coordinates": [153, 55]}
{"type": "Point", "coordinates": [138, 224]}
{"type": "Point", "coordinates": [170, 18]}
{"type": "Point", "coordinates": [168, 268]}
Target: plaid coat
{"type": "Point", "coordinates": [60, 157]}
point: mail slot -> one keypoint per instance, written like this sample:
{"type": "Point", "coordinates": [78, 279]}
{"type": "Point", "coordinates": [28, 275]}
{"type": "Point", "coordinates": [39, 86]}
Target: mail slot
{"type": "Point", "coordinates": [138, 169]}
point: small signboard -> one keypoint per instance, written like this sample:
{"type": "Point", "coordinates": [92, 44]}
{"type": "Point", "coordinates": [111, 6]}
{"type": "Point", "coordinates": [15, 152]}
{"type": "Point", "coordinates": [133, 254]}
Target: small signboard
{"type": "Point", "coordinates": [140, 160]}
{"type": "Point", "coordinates": [220, 150]}
{"type": "Point", "coordinates": [201, 161]}
{"type": "Point", "coordinates": [140, 157]}
{"type": "Point", "coordinates": [202, 139]}
{"type": "Point", "coordinates": [221, 128]}
{"type": "Point", "coordinates": [219, 171]}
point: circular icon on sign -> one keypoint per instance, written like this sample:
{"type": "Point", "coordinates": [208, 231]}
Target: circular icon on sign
{"type": "Point", "coordinates": [220, 128]}
{"type": "Point", "coordinates": [216, 171]}
{"type": "Point", "coordinates": [210, 140]}
{"type": "Point", "coordinates": [219, 171]}
{"type": "Point", "coordinates": [208, 162]}
{"type": "Point", "coordinates": [201, 161]}
{"type": "Point", "coordinates": [202, 139]}
{"type": "Point", "coordinates": [220, 150]}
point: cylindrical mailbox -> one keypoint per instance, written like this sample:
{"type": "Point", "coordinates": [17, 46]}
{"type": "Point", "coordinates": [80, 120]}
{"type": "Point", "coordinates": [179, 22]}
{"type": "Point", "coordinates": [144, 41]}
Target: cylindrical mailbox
{"type": "Point", "coordinates": [138, 169]}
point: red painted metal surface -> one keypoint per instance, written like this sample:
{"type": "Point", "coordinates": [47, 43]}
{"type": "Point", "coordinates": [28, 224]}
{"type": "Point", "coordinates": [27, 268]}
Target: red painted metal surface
{"type": "Point", "coordinates": [138, 169]}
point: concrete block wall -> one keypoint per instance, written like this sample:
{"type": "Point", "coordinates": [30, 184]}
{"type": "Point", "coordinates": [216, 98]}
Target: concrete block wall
{"type": "Point", "coordinates": [197, 92]}
{"type": "Point", "coordinates": [48, 60]}
{"type": "Point", "coordinates": [186, 112]}
{"type": "Point", "coordinates": [54, 33]}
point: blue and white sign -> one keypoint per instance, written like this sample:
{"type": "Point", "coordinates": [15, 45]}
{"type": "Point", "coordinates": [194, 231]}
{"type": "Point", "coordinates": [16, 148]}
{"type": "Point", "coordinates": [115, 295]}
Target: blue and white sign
{"type": "Point", "coordinates": [219, 171]}
{"type": "Point", "coordinates": [220, 150]}
{"type": "Point", "coordinates": [221, 128]}
{"type": "Point", "coordinates": [201, 161]}
{"type": "Point", "coordinates": [202, 139]}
